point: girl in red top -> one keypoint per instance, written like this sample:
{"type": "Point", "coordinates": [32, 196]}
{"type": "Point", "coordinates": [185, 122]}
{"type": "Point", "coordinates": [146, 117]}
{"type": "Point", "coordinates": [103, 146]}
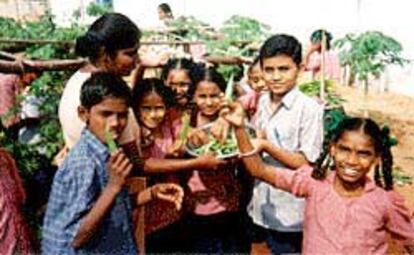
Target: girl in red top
{"type": "Point", "coordinates": [346, 211]}
{"type": "Point", "coordinates": [213, 198]}
{"type": "Point", "coordinates": [151, 99]}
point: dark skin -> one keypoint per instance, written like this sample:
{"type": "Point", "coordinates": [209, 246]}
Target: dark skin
{"type": "Point", "coordinates": [260, 170]}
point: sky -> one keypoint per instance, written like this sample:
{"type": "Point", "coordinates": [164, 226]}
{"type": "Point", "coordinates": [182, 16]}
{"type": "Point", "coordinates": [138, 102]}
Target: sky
{"type": "Point", "coordinates": [297, 17]}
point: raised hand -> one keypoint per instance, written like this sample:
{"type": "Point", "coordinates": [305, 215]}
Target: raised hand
{"type": "Point", "coordinates": [198, 137]}
{"type": "Point", "coordinates": [235, 114]}
{"type": "Point", "coordinates": [119, 168]}
{"type": "Point", "coordinates": [220, 129]}
{"type": "Point", "coordinates": [170, 192]}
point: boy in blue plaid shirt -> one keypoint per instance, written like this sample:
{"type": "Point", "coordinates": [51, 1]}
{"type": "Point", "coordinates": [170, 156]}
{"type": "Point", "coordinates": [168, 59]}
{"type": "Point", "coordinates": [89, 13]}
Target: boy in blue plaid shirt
{"type": "Point", "coordinates": [89, 209]}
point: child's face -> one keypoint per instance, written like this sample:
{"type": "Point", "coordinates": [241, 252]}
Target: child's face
{"type": "Point", "coordinates": [354, 155]}
{"type": "Point", "coordinates": [256, 78]}
{"type": "Point", "coordinates": [179, 81]}
{"type": "Point", "coordinates": [152, 110]}
{"type": "Point", "coordinates": [280, 74]}
{"type": "Point", "coordinates": [109, 115]}
{"type": "Point", "coordinates": [124, 61]}
{"type": "Point", "coordinates": [207, 98]}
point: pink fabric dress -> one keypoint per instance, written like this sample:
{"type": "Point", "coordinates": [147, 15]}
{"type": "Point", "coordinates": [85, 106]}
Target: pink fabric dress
{"type": "Point", "coordinates": [14, 232]}
{"type": "Point", "coordinates": [160, 214]}
{"type": "Point", "coordinates": [8, 100]}
{"type": "Point", "coordinates": [214, 192]}
{"type": "Point", "coordinates": [338, 225]}
{"type": "Point", "coordinates": [332, 65]}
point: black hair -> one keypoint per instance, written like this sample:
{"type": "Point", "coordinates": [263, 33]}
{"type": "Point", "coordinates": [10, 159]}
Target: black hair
{"type": "Point", "coordinates": [103, 85]}
{"type": "Point", "coordinates": [281, 44]}
{"type": "Point", "coordinates": [149, 85]}
{"type": "Point", "coordinates": [203, 73]}
{"type": "Point", "coordinates": [316, 37]}
{"type": "Point", "coordinates": [379, 137]}
{"type": "Point", "coordinates": [111, 32]}
{"type": "Point", "coordinates": [181, 64]}
{"type": "Point", "coordinates": [166, 9]}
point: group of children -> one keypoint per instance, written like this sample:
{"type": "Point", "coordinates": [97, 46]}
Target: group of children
{"type": "Point", "coordinates": [223, 209]}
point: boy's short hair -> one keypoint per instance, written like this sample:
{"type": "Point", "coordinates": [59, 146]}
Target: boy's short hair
{"type": "Point", "coordinates": [103, 85]}
{"type": "Point", "coordinates": [281, 44]}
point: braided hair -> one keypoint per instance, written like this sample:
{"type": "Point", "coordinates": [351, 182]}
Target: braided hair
{"type": "Point", "coordinates": [382, 145]}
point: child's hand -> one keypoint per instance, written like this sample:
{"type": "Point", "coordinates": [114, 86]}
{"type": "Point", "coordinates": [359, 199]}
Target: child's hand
{"type": "Point", "coordinates": [209, 162]}
{"type": "Point", "coordinates": [176, 149]}
{"type": "Point", "coordinates": [220, 129]}
{"type": "Point", "coordinates": [170, 192]}
{"type": "Point", "coordinates": [235, 115]}
{"type": "Point", "coordinates": [197, 137]}
{"type": "Point", "coordinates": [261, 134]}
{"type": "Point", "coordinates": [119, 168]}
{"type": "Point", "coordinates": [259, 144]}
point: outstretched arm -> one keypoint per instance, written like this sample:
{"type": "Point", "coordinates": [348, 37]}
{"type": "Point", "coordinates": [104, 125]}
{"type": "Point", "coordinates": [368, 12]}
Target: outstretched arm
{"type": "Point", "coordinates": [254, 163]}
{"type": "Point", "coordinates": [292, 160]}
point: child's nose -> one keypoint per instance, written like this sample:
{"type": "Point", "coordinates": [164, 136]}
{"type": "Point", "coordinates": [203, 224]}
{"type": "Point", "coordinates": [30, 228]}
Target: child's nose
{"type": "Point", "coordinates": [113, 120]}
{"type": "Point", "coordinates": [352, 159]}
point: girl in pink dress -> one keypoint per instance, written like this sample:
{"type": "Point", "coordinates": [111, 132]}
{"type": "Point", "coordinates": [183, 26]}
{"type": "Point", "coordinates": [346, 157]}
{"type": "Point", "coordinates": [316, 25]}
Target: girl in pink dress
{"type": "Point", "coordinates": [346, 211]}
{"type": "Point", "coordinates": [151, 100]}
{"type": "Point", "coordinates": [213, 198]}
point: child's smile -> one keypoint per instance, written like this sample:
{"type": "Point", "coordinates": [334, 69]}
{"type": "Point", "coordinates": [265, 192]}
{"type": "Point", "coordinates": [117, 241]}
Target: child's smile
{"type": "Point", "coordinates": [207, 98]}
{"type": "Point", "coordinates": [354, 155]}
{"type": "Point", "coordinates": [179, 82]}
{"type": "Point", "coordinates": [152, 110]}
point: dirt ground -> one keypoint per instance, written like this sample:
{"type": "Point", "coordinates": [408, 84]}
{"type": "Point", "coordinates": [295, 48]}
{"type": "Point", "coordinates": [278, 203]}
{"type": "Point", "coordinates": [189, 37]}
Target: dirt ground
{"type": "Point", "coordinates": [397, 111]}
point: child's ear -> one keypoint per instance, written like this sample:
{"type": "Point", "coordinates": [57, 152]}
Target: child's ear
{"type": "Point", "coordinates": [332, 149]}
{"type": "Point", "coordinates": [83, 114]}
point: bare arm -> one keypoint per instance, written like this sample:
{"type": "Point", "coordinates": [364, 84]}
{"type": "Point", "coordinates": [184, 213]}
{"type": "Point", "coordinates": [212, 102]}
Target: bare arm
{"type": "Point", "coordinates": [254, 164]}
{"type": "Point", "coordinates": [203, 162]}
{"type": "Point", "coordinates": [292, 160]}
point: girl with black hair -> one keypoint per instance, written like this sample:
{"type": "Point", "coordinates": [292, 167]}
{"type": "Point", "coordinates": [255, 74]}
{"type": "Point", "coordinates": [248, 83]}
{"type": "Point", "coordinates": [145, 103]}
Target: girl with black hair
{"type": "Point", "coordinates": [151, 99]}
{"type": "Point", "coordinates": [313, 57]}
{"type": "Point", "coordinates": [213, 198]}
{"type": "Point", "coordinates": [178, 74]}
{"type": "Point", "coordinates": [346, 212]}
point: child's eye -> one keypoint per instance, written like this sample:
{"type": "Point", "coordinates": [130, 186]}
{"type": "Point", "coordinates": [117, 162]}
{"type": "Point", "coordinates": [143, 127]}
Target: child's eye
{"type": "Point", "coordinates": [106, 114]}
{"type": "Point", "coordinates": [364, 154]}
{"type": "Point", "coordinates": [145, 108]}
{"type": "Point", "coordinates": [123, 115]}
{"type": "Point", "coordinates": [268, 70]}
{"type": "Point", "coordinates": [283, 68]}
{"type": "Point", "coordinates": [343, 149]}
